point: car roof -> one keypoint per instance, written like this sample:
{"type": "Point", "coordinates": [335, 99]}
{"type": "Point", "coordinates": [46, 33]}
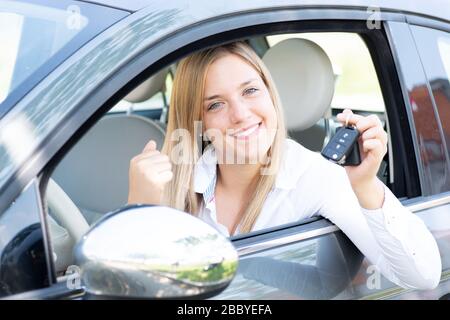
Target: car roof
{"type": "Point", "coordinates": [133, 5]}
{"type": "Point", "coordinates": [433, 8]}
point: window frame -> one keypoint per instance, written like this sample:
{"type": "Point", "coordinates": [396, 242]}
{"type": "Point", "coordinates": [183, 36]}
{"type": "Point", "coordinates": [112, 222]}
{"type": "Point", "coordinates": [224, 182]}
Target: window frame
{"type": "Point", "coordinates": [377, 54]}
{"type": "Point", "coordinates": [296, 231]}
{"type": "Point", "coordinates": [153, 55]}
{"type": "Point", "coordinates": [287, 234]}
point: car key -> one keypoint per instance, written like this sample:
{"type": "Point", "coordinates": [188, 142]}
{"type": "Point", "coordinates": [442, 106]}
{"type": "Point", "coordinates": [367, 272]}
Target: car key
{"type": "Point", "coordinates": [343, 147]}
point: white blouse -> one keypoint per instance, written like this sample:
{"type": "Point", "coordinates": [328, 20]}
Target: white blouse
{"type": "Point", "coordinates": [307, 185]}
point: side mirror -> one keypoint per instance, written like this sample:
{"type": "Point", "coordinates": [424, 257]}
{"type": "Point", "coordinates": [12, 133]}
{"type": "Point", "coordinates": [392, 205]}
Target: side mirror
{"type": "Point", "coordinates": [154, 252]}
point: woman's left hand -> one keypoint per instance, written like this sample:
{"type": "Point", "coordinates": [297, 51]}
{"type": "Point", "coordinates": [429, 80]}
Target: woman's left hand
{"type": "Point", "coordinates": [372, 146]}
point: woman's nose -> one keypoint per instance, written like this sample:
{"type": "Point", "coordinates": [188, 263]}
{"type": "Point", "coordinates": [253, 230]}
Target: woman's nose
{"type": "Point", "coordinates": [239, 111]}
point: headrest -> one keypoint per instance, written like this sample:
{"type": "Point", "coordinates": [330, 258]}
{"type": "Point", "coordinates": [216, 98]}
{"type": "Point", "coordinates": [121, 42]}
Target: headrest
{"type": "Point", "coordinates": [304, 78]}
{"type": "Point", "coordinates": [149, 87]}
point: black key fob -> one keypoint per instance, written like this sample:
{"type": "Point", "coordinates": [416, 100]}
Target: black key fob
{"type": "Point", "coordinates": [343, 147]}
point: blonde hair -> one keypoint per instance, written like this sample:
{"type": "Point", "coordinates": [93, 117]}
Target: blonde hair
{"type": "Point", "coordinates": [186, 107]}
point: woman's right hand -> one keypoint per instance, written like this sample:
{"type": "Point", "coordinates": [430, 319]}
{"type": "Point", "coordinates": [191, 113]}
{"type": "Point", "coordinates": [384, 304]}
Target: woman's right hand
{"type": "Point", "coordinates": [149, 172]}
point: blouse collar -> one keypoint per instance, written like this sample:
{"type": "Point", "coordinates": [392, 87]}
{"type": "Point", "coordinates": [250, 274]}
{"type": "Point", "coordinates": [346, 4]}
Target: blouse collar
{"type": "Point", "coordinates": [296, 160]}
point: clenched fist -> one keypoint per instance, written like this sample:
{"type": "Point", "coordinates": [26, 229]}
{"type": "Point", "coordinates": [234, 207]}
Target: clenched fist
{"type": "Point", "coordinates": [149, 172]}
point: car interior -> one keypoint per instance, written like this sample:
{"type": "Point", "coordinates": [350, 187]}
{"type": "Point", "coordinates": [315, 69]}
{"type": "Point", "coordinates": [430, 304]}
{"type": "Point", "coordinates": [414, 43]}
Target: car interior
{"type": "Point", "coordinates": [92, 178]}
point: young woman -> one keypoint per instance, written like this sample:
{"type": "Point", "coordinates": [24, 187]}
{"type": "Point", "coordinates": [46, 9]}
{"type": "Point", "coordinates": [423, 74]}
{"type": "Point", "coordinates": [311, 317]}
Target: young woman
{"type": "Point", "coordinates": [245, 175]}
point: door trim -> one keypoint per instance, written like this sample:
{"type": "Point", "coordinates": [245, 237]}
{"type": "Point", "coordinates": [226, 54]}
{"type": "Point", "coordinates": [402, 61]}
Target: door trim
{"type": "Point", "coordinates": [328, 227]}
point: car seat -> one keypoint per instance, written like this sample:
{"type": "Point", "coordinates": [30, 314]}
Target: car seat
{"type": "Point", "coordinates": [305, 81]}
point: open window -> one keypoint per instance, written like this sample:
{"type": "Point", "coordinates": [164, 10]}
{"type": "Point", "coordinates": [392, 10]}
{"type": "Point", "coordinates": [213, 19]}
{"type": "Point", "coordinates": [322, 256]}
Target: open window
{"type": "Point", "coordinates": [356, 87]}
{"type": "Point", "coordinates": [91, 179]}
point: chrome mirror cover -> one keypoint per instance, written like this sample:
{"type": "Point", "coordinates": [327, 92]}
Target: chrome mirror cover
{"type": "Point", "coordinates": [154, 252]}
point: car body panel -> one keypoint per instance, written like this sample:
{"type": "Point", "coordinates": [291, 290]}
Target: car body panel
{"type": "Point", "coordinates": [433, 8]}
{"type": "Point", "coordinates": [309, 264]}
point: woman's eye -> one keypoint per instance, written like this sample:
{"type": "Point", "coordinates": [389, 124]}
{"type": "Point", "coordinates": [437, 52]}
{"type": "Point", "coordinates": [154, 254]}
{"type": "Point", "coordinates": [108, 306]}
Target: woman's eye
{"type": "Point", "coordinates": [250, 90]}
{"type": "Point", "coordinates": [214, 106]}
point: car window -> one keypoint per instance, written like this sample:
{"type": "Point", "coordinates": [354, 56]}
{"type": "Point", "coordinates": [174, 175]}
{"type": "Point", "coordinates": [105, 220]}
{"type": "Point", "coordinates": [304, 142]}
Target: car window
{"type": "Point", "coordinates": [23, 264]}
{"type": "Point", "coordinates": [444, 51]}
{"type": "Point", "coordinates": [61, 27]}
{"type": "Point", "coordinates": [357, 86]}
{"type": "Point", "coordinates": [157, 101]}
{"type": "Point", "coordinates": [43, 45]}
{"type": "Point", "coordinates": [94, 173]}
{"type": "Point", "coordinates": [434, 49]}
{"type": "Point", "coordinates": [17, 29]}
{"type": "Point", "coordinates": [427, 136]}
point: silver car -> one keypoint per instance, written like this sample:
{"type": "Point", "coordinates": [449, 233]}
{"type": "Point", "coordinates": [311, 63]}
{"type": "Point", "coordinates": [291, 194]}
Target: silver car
{"type": "Point", "coordinates": [85, 84]}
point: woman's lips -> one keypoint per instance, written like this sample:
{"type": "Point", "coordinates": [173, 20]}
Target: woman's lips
{"type": "Point", "coordinates": [250, 131]}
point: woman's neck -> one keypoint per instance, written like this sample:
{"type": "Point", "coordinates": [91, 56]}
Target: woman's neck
{"type": "Point", "coordinates": [237, 177]}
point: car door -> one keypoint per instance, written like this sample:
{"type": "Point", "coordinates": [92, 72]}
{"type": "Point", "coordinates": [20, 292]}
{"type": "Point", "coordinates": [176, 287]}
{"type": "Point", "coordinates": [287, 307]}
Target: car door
{"type": "Point", "coordinates": [319, 262]}
{"type": "Point", "coordinates": [430, 141]}
{"type": "Point", "coordinates": [23, 261]}
{"type": "Point", "coordinates": [433, 45]}
{"type": "Point", "coordinates": [62, 28]}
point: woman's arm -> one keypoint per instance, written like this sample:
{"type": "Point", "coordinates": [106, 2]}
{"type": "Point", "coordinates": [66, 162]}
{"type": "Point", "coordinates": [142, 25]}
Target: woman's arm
{"type": "Point", "coordinates": [393, 239]}
{"type": "Point", "coordinates": [373, 146]}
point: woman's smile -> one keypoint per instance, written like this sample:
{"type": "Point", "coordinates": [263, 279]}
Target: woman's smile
{"type": "Point", "coordinates": [247, 132]}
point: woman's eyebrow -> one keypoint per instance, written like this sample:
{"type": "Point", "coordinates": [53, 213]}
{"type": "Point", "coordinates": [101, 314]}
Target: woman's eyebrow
{"type": "Point", "coordinates": [240, 86]}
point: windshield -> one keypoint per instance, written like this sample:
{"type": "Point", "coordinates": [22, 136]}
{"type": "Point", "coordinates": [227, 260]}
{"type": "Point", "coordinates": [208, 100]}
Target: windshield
{"type": "Point", "coordinates": [35, 37]}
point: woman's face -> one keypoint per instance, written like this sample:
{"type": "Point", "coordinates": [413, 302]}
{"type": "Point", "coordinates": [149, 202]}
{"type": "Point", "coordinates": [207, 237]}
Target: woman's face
{"type": "Point", "coordinates": [238, 114]}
